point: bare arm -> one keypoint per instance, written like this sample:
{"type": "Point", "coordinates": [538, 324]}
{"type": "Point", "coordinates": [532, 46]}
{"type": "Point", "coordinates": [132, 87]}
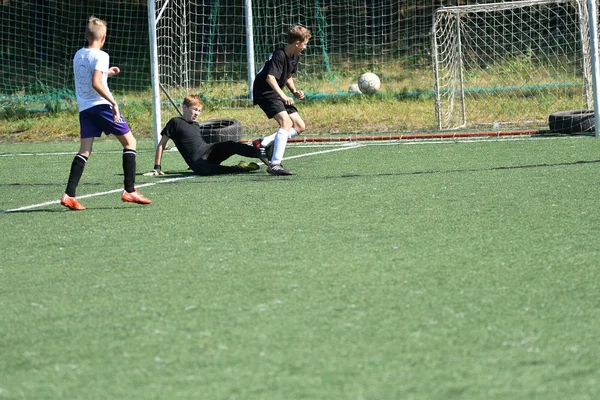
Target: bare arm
{"type": "Point", "coordinates": [273, 83]}
{"type": "Point", "coordinates": [112, 71]}
{"type": "Point", "coordinates": [162, 146]}
{"type": "Point", "coordinates": [299, 94]}
{"type": "Point", "coordinates": [104, 92]}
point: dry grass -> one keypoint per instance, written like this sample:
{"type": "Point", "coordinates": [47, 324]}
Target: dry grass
{"type": "Point", "coordinates": [405, 104]}
{"type": "Point", "coordinates": [325, 112]}
{"type": "Point", "coordinates": [321, 117]}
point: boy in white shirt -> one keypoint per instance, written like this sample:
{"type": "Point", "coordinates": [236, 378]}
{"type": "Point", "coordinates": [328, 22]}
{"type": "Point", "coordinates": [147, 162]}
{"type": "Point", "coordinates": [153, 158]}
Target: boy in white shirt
{"type": "Point", "coordinates": [99, 112]}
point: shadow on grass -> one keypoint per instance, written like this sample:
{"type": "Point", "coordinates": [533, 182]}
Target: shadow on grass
{"type": "Point", "coordinates": [258, 177]}
{"type": "Point", "coordinates": [61, 209]}
{"type": "Point", "coordinates": [169, 175]}
{"type": "Point", "coordinates": [61, 184]}
{"type": "Point", "coordinates": [265, 177]}
{"type": "Point", "coordinates": [453, 171]}
{"type": "Point", "coordinates": [37, 210]}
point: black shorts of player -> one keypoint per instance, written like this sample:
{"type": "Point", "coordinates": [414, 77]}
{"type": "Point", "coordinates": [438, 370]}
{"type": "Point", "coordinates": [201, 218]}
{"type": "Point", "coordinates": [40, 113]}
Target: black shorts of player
{"type": "Point", "coordinates": [272, 107]}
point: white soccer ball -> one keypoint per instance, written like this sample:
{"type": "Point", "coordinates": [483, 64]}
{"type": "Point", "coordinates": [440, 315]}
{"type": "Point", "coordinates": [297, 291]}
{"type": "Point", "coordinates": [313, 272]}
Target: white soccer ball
{"type": "Point", "coordinates": [369, 83]}
{"type": "Point", "coordinates": [353, 89]}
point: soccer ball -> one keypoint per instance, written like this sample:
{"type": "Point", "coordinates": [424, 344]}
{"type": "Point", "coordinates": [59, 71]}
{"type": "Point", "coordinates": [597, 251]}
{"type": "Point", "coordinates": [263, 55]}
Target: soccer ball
{"type": "Point", "coordinates": [353, 89]}
{"type": "Point", "coordinates": [369, 83]}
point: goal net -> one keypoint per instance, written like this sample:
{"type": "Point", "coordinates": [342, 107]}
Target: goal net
{"type": "Point", "coordinates": [40, 38]}
{"type": "Point", "coordinates": [203, 47]}
{"type": "Point", "coordinates": [510, 64]}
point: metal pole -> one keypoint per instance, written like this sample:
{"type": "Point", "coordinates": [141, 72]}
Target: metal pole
{"type": "Point", "coordinates": [249, 45]}
{"type": "Point", "coordinates": [436, 73]}
{"type": "Point", "coordinates": [154, 71]}
{"type": "Point", "coordinates": [171, 100]}
{"type": "Point", "coordinates": [593, 22]}
{"type": "Point", "coordinates": [461, 71]}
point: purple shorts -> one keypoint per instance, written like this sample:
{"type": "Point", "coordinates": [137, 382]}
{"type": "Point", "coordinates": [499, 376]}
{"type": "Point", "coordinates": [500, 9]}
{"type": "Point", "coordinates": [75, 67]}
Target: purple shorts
{"type": "Point", "coordinates": [98, 119]}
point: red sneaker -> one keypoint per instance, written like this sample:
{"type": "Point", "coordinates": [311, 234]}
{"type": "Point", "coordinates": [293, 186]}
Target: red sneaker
{"type": "Point", "coordinates": [135, 197]}
{"type": "Point", "coordinates": [71, 202]}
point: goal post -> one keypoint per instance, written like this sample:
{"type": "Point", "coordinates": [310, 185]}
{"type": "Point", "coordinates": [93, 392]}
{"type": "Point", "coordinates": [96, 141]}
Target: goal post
{"type": "Point", "coordinates": [182, 60]}
{"type": "Point", "coordinates": [214, 48]}
{"type": "Point", "coordinates": [593, 25]}
{"type": "Point", "coordinates": [510, 64]}
{"type": "Point", "coordinates": [154, 75]}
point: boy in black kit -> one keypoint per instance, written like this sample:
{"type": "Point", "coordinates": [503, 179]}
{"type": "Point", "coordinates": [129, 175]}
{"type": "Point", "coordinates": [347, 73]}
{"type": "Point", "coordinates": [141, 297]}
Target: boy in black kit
{"type": "Point", "coordinates": [202, 158]}
{"type": "Point", "coordinates": [268, 94]}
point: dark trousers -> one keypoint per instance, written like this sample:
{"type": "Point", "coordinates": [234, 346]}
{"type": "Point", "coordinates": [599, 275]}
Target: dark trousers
{"type": "Point", "coordinates": [219, 152]}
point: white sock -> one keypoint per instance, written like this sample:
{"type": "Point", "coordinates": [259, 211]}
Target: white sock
{"type": "Point", "coordinates": [279, 148]}
{"type": "Point", "coordinates": [267, 140]}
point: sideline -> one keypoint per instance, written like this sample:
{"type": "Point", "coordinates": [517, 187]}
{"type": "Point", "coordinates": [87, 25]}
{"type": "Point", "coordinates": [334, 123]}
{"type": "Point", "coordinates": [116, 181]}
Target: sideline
{"type": "Point", "coordinates": [340, 146]}
{"type": "Point", "coordinates": [65, 153]}
{"type": "Point", "coordinates": [48, 203]}
{"type": "Point", "coordinates": [320, 145]}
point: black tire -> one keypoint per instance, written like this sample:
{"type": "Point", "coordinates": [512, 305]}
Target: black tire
{"type": "Point", "coordinates": [220, 130]}
{"type": "Point", "coordinates": [572, 121]}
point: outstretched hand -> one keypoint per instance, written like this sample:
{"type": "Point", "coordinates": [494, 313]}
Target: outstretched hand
{"type": "Point", "coordinates": [155, 172]}
{"type": "Point", "coordinates": [288, 100]}
{"type": "Point", "coordinates": [112, 71]}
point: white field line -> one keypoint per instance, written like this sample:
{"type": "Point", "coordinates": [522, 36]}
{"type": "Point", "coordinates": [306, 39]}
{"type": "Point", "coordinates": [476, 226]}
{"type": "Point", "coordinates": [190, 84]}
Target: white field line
{"type": "Point", "coordinates": [353, 144]}
{"type": "Point", "coordinates": [49, 203]}
{"type": "Point", "coordinates": [339, 146]}
{"type": "Point", "coordinates": [68, 153]}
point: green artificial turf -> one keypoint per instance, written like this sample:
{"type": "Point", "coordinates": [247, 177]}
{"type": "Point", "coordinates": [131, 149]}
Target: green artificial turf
{"type": "Point", "coordinates": [421, 270]}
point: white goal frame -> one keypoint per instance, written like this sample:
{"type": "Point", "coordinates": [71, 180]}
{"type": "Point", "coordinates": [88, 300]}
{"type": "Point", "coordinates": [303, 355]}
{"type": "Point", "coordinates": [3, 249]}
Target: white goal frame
{"type": "Point", "coordinates": [155, 18]}
{"type": "Point", "coordinates": [451, 108]}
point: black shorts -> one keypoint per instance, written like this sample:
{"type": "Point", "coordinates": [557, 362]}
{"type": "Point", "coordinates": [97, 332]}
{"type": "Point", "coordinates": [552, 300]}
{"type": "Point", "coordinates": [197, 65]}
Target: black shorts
{"type": "Point", "coordinates": [272, 107]}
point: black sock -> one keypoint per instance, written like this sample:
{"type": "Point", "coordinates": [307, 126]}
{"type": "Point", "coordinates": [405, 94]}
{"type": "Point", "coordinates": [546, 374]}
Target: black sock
{"type": "Point", "coordinates": [129, 170]}
{"type": "Point", "coordinates": [77, 167]}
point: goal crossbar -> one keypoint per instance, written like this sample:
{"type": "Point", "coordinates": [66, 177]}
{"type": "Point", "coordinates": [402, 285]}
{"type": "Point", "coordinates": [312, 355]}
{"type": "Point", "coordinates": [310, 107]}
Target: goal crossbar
{"type": "Point", "coordinates": [495, 6]}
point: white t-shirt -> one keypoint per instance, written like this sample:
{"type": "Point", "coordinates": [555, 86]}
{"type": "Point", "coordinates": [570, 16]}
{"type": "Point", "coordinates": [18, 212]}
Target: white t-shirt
{"type": "Point", "coordinates": [85, 62]}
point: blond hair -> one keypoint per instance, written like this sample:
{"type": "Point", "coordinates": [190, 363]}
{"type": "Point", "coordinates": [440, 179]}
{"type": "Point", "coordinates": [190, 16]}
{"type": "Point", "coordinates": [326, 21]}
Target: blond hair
{"type": "Point", "coordinates": [298, 33]}
{"type": "Point", "coordinates": [193, 100]}
{"type": "Point", "coordinates": [95, 29]}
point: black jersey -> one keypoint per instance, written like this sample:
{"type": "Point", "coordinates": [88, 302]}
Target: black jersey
{"type": "Point", "coordinates": [281, 66]}
{"type": "Point", "coordinates": [188, 139]}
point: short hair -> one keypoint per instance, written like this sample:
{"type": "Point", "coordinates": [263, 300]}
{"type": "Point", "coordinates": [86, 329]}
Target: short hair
{"type": "Point", "coordinates": [298, 33]}
{"type": "Point", "coordinates": [193, 100]}
{"type": "Point", "coordinates": [95, 29]}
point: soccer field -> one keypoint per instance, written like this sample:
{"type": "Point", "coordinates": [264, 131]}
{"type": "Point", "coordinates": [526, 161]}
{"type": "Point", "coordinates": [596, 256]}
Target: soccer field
{"type": "Point", "coordinates": [406, 270]}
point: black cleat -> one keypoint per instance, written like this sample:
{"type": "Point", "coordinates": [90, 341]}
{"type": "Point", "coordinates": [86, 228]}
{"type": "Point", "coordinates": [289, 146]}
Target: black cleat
{"type": "Point", "coordinates": [277, 169]}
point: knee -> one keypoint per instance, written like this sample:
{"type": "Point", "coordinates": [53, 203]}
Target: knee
{"type": "Point", "coordinates": [301, 127]}
{"type": "Point", "coordinates": [128, 141]}
{"type": "Point", "coordinates": [132, 143]}
{"type": "Point", "coordinates": [286, 126]}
